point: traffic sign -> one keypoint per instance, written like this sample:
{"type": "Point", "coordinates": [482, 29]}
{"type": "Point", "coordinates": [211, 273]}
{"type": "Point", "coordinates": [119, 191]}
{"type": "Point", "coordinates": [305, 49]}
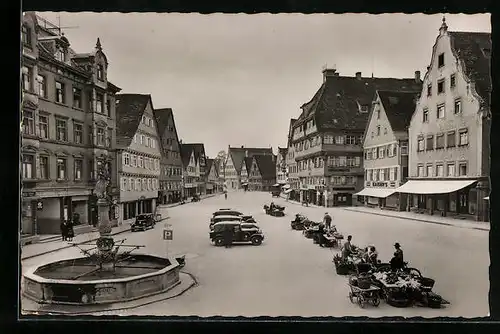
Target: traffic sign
{"type": "Point", "coordinates": [168, 234]}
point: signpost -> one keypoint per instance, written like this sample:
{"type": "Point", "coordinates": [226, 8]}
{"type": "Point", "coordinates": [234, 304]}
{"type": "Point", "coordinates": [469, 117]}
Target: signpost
{"type": "Point", "coordinates": [168, 235]}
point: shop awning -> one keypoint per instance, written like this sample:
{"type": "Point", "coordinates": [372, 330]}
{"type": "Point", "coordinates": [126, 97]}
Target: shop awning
{"type": "Point", "coordinates": [286, 186]}
{"type": "Point", "coordinates": [433, 186]}
{"type": "Point", "coordinates": [376, 192]}
{"type": "Point", "coordinates": [288, 191]}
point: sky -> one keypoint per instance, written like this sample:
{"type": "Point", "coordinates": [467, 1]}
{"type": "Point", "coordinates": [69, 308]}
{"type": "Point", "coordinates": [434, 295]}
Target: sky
{"type": "Point", "coordinates": [237, 79]}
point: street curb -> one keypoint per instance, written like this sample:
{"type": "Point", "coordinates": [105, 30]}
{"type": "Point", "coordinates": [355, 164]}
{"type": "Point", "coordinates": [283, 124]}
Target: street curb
{"type": "Point", "coordinates": [418, 220]}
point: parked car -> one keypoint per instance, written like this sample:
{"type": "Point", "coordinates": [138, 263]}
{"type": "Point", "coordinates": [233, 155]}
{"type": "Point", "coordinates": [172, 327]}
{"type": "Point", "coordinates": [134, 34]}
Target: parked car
{"type": "Point", "coordinates": [225, 212]}
{"type": "Point", "coordinates": [242, 232]}
{"type": "Point", "coordinates": [220, 219]}
{"type": "Point", "coordinates": [143, 222]}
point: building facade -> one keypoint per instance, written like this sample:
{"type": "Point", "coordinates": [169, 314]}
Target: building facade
{"type": "Point", "coordinates": [138, 155]}
{"type": "Point", "coordinates": [386, 149]}
{"type": "Point", "coordinates": [293, 176]}
{"type": "Point", "coordinates": [450, 130]}
{"type": "Point", "coordinates": [194, 166]}
{"type": "Point", "coordinates": [328, 136]}
{"type": "Point", "coordinates": [281, 167]}
{"type": "Point", "coordinates": [262, 174]}
{"type": "Point", "coordinates": [212, 177]}
{"type": "Point", "coordinates": [68, 129]}
{"type": "Point", "coordinates": [235, 162]}
{"type": "Point", "coordinates": [171, 190]}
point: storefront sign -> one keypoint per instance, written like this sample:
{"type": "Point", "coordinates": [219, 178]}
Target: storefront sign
{"type": "Point", "coordinates": [379, 184]}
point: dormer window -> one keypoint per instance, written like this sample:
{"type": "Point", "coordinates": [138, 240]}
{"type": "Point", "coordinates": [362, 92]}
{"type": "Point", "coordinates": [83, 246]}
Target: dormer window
{"type": "Point", "coordinates": [100, 72]}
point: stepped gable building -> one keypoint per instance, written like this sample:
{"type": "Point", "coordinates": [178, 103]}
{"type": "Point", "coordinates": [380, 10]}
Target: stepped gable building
{"type": "Point", "coordinates": [211, 176]}
{"type": "Point", "coordinates": [449, 132]}
{"type": "Point", "coordinates": [171, 190]}
{"type": "Point", "coordinates": [234, 164]}
{"type": "Point", "coordinates": [68, 130]}
{"type": "Point", "coordinates": [138, 155]}
{"type": "Point", "coordinates": [385, 148]}
{"type": "Point", "coordinates": [293, 192]}
{"type": "Point", "coordinates": [262, 174]}
{"type": "Point", "coordinates": [281, 168]}
{"type": "Point", "coordinates": [328, 135]}
{"type": "Point", "coordinates": [194, 164]}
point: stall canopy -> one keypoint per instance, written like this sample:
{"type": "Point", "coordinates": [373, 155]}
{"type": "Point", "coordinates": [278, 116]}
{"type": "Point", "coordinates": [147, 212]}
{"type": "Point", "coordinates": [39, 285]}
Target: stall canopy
{"type": "Point", "coordinates": [375, 192]}
{"type": "Point", "coordinates": [288, 191]}
{"type": "Point", "coordinates": [433, 186]}
{"type": "Point", "coordinates": [286, 186]}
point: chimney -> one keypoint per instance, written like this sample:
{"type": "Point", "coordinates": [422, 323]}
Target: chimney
{"type": "Point", "coordinates": [417, 76]}
{"type": "Point", "coordinates": [329, 72]}
{"type": "Point", "coordinates": [358, 75]}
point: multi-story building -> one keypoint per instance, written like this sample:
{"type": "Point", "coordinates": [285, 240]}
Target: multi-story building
{"type": "Point", "coordinates": [234, 164]}
{"type": "Point", "coordinates": [281, 167]}
{"type": "Point", "coordinates": [328, 135]}
{"type": "Point", "coordinates": [449, 132]}
{"type": "Point", "coordinates": [138, 155]}
{"type": "Point", "coordinates": [262, 175]}
{"type": "Point", "coordinates": [68, 129]}
{"type": "Point", "coordinates": [194, 165]}
{"type": "Point", "coordinates": [211, 176]}
{"type": "Point", "coordinates": [386, 149]}
{"type": "Point", "coordinates": [220, 178]}
{"type": "Point", "coordinates": [171, 162]}
{"type": "Point", "coordinates": [293, 176]}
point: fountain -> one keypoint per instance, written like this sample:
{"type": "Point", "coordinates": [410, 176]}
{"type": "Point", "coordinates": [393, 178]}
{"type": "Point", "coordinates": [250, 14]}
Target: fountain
{"type": "Point", "coordinates": [103, 275]}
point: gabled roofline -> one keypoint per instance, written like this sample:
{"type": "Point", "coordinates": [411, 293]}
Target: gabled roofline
{"type": "Point", "coordinates": [370, 115]}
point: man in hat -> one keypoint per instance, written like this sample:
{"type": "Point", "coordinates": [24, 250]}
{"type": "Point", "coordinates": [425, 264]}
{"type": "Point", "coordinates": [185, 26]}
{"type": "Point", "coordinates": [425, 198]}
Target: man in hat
{"type": "Point", "coordinates": [327, 220]}
{"type": "Point", "coordinates": [397, 260]}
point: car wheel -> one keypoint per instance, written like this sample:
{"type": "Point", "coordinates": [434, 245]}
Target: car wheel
{"type": "Point", "coordinates": [256, 241]}
{"type": "Point", "coordinates": [219, 241]}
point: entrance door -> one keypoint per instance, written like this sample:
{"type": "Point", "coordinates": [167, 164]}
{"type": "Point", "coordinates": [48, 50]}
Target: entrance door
{"type": "Point", "coordinates": [463, 202]}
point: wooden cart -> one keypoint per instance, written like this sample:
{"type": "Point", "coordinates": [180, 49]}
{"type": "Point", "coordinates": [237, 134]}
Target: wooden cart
{"type": "Point", "coordinates": [364, 296]}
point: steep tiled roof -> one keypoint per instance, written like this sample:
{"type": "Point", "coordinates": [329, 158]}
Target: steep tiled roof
{"type": "Point", "coordinates": [162, 117]}
{"type": "Point", "coordinates": [248, 163]}
{"type": "Point", "coordinates": [209, 163]}
{"type": "Point", "coordinates": [474, 49]}
{"type": "Point", "coordinates": [399, 107]}
{"type": "Point", "coordinates": [238, 154]}
{"type": "Point", "coordinates": [266, 166]}
{"type": "Point", "coordinates": [216, 164]}
{"type": "Point", "coordinates": [290, 130]}
{"type": "Point", "coordinates": [129, 110]}
{"type": "Point", "coordinates": [199, 150]}
{"type": "Point", "coordinates": [336, 103]}
{"type": "Point", "coordinates": [282, 151]}
{"type": "Point", "coordinates": [187, 149]}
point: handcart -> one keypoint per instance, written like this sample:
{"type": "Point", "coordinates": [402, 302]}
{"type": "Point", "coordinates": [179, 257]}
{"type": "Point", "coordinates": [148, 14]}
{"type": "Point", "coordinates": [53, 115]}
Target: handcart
{"type": "Point", "coordinates": [364, 296]}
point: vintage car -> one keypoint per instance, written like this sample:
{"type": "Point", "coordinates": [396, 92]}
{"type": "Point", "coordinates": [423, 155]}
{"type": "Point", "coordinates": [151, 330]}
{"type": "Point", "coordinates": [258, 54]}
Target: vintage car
{"type": "Point", "coordinates": [248, 219]}
{"type": "Point", "coordinates": [220, 219]}
{"type": "Point", "coordinates": [241, 232]}
{"type": "Point", "coordinates": [143, 222]}
{"type": "Point", "coordinates": [225, 212]}
{"type": "Point", "coordinates": [277, 211]}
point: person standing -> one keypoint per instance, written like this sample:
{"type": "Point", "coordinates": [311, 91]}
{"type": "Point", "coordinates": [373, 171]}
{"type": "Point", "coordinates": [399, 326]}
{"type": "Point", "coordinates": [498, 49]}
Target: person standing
{"type": "Point", "coordinates": [228, 236]}
{"type": "Point", "coordinates": [347, 248]}
{"type": "Point", "coordinates": [70, 231]}
{"type": "Point", "coordinates": [64, 230]}
{"type": "Point", "coordinates": [327, 220]}
{"type": "Point", "coordinates": [225, 195]}
{"type": "Point", "coordinates": [397, 262]}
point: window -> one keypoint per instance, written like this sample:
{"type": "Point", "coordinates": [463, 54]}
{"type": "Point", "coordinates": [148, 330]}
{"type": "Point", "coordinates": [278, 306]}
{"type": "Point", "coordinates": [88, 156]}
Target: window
{"type": "Point", "coordinates": [26, 36]}
{"type": "Point", "coordinates": [439, 141]}
{"type": "Point", "coordinates": [425, 115]}
{"type": "Point", "coordinates": [78, 169]}
{"type": "Point", "coordinates": [328, 139]}
{"type": "Point", "coordinates": [441, 60]}
{"type": "Point", "coordinates": [429, 171]}
{"type": "Point", "coordinates": [420, 146]}
{"type": "Point", "coordinates": [462, 169]}
{"type": "Point", "coordinates": [452, 81]}
{"type": "Point", "coordinates": [450, 169]}
{"type": "Point", "coordinates": [78, 133]}
{"type": "Point", "coordinates": [42, 86]}
{"type": "Point", "coordinates": [28, 166]}
{"type": "Point", "coordinates": [109, 137]}
{"type": "Point", "coordinates": [350, 140]}
{"type": "Point", "coordinates": [91, 135]}
{"type": "Point", "coordinates": [141, 162]}
{"type": "Point", "coordinates": [458, 107]}
{"type": "Point", "coordinates": [359, 140]}
{"type": "Point", "coordinates": [441, 86]}
{"type": "Point", "coordinates": [61, 169]}
{"type": "Point", "coordinates": [420, 170]}
{"type": "Point", "coordinates": [28, 123]}
{"type": "Point", "coordinates": [404, 148]}
{"type": "Point", "coordinates": [59, 55]}
{"type": "Point", "coordinates": [27, 81]}
{"type": "Point", "coordinates": [463, 138]}
{"type": "Point", "coordinates": [146, 163]}
{"type": "Point", "coordinates": [108, 107]}
{"type": "Point", "coordinates": [385, 130]}
{"type": "Point", "coordinates": [135, 138]}
{"type": "Point", "coordinates": [381, 175]}
{"type": "Point", "coordinates": [429, 90]}
{"type": "Point", "coordinates": [339, 140]}
{"type": "Point", "coordinates": [131, 184]}
{"type": "Point", "coordinates": [440, 111]}
{"type": "Point", "coordinates": [100, 72]}
{"type": "Point", "coordinates": [381, 151]}
{"type": "Point", "coordinates": [149, 184]}
{"type": "Point", "coordinates": [99, 103]}
{"type": "Point", "coordinates": [378, 114]}
{"type": "Point", "coordinates": [60, 96]}
{"type": "Point", "coordinates": [133, 160]}
{"type": "Point", "coordinates": [378, 130]}
{"type": "Point", "coordinates": [61, 130]}
{"type": "Point", "coordinates": [100, 136]}
{"type": "Point", "coordinates": [138, 185]}
{"type": "Point", "coordinates": [44, 168]}
{"type": "Point", "coordinates": [143, 119]}
{"type": "Point", "coordinates": [451, 139]}
{"type": "Point", "coordinates": [357, 162]}
{"type": "Point", "coordinates": [439, 170]}
{"type": "Point", "coordinates": [77, 98]}
{"type": "Point", "coordinates": [142, 139]}
{"type": "Point", "coordinates": [374, 153]}
{"type": "Point", "coordinates": [430, 143]}
{"type": "Point", "coordinates": [126, 159]}
{"type": "Point", "coordinates": [124, 184]}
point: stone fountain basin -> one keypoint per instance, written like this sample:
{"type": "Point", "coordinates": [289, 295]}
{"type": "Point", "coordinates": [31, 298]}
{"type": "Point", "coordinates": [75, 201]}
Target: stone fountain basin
{"type": "Point", "coordinates": [74, 282]}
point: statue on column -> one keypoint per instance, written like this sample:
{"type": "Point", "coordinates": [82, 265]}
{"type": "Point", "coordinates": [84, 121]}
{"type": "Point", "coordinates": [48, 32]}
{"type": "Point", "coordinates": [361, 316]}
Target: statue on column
{"type": "Point", "coordinates": [105, 243]}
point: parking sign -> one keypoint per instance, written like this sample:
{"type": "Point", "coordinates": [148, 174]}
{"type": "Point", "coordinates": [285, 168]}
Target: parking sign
{"type": "Point", "coordinates": [168, 234]}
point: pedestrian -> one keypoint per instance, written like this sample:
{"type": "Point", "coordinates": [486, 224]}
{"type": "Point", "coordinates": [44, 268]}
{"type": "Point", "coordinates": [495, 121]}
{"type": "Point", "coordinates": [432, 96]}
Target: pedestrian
{"type": "Point", "coordinates": [327, 220]}
{"type": "Point", "coordinates": [228, 236]}
{"type": "Point", "coordinates": [372, 255]}
{"type": "Point", "coordinates": [347, 248]}
{"type": "Point", "coordinates": [397, 262]}
{"type": "Point", "coordinates": [64, 230]}
{"type": "Point", "coordinates": [70, 231]}
{"type": "Point", "coordinates": [225, 194]}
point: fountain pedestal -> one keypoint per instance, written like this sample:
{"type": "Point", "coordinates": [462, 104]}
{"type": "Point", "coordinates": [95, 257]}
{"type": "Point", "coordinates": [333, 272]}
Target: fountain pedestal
{"type": "Point", "coordinates": [105, 243]}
